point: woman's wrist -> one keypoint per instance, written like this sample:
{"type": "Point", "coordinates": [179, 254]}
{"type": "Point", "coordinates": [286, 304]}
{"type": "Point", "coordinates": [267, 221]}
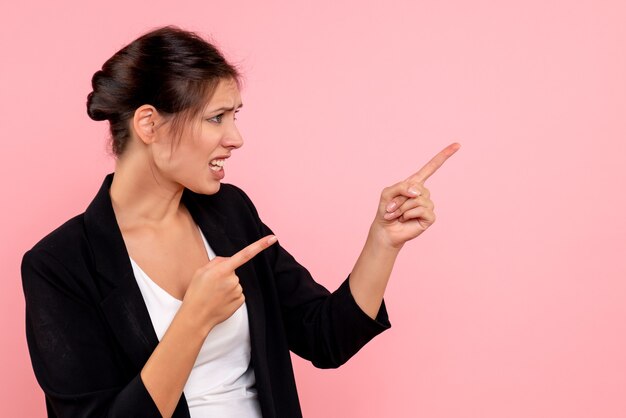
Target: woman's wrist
{"type": "Point", "coordinates": [377, 238]}
{"type": "Point", "coordinates": [191, 320]}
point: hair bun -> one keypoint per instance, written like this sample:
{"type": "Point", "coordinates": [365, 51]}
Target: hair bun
{"type": "Point", "coordinates": [92, 109]}
{"type": "Point", "coordinates": [97, 107]}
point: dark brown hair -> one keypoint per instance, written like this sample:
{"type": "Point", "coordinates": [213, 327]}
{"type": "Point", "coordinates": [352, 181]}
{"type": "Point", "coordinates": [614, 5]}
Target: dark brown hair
{"type": "Point", "coordinates": [174, 70]}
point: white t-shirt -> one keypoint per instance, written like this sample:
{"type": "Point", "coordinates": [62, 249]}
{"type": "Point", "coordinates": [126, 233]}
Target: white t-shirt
{"type": "Point", "coordinates": [221, 383]}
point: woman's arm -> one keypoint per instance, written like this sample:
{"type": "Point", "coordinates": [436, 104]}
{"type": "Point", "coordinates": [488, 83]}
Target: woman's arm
{"type": "Point", "coordinates": [371, 273]}
{"type": "Point", "coordinates": [404, 212]}
{"type": "Point", "coordinates": [323, 327]}
{"type": "Point", "coordinates": [167, 370]}
{"type": "Point", "coordinates": [71, 348]}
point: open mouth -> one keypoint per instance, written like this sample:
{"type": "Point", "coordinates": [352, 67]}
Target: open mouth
{"type": "Point", "coordinates": [216, 165]}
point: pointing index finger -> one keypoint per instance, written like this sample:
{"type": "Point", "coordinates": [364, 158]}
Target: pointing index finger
{"type": "Point", "coordinates": [247, 253]}
{"type": "Point", "coordinates": [437, 161]}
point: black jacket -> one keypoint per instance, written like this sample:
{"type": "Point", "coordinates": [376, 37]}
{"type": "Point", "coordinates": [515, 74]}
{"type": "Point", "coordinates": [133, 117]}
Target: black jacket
{"type": "Point", "coordinates": [89, 332]}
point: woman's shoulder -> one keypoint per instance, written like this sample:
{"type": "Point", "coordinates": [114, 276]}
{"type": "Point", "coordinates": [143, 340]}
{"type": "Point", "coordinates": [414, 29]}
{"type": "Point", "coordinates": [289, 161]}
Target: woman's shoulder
{"type": "Point", "coordinates": [64, 243]}
{"type": "Point", "coordinates": [70, 230]}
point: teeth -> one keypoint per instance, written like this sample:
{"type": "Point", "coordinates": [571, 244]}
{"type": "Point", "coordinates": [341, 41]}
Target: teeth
{"type": "Point", "coordinates": [219, 163]}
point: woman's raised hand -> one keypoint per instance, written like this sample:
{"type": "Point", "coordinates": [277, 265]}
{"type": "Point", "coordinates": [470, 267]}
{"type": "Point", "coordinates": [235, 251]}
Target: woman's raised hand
{"type": "Point", "coordinates": [214, 293]}
{"type": "Point", "coordinates": [405, 209]}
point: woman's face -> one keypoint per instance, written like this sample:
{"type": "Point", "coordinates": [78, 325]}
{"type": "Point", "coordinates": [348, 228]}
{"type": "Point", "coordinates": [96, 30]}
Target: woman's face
{"type": "Point", "coordinates": [198, 161]}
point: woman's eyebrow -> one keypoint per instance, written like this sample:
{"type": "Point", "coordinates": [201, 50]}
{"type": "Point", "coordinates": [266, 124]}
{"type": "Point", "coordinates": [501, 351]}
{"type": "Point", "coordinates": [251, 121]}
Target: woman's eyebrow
{"type": "Point", "coordinates": [226, 108]}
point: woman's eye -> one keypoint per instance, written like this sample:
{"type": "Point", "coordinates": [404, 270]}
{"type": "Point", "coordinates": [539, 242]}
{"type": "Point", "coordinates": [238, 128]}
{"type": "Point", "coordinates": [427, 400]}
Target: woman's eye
{"type": "Point", "coordinates": [217, 118]}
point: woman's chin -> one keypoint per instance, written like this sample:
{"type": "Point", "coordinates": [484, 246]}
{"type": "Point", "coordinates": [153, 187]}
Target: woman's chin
{"type": "Point", "coordinates": [213, 188]}
{"type": "Point", "coordinates": [207, 188]}
{"type": "Point", "coordinates": [217, 186]}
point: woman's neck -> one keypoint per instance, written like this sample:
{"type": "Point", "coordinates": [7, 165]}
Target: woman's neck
{"type": "Point", "coordinates": [141, 197]}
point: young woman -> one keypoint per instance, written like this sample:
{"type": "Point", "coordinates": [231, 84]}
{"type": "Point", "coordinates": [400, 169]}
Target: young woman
{"type": "Point", "coordinates": [169, 296]}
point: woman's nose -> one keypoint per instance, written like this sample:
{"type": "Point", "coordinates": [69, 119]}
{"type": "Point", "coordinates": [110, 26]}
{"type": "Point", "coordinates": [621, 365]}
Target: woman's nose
{"type": "Point", "coordinates": [232, 137]}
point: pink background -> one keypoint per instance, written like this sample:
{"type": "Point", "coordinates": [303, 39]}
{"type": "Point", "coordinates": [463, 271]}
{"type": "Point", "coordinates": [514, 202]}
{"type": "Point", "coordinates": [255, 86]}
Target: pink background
{"type": "Point", "coordinates": [511, 305]}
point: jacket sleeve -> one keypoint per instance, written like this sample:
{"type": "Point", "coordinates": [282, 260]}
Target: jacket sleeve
{"type": "Point", "coordinates": [70, 350]}
{"type": "Point", "coordinates": [323, 327]}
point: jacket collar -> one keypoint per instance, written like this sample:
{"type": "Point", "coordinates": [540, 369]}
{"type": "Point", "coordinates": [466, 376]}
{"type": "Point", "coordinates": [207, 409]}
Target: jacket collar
{"type": "Point", "coordinates": [122, 303]}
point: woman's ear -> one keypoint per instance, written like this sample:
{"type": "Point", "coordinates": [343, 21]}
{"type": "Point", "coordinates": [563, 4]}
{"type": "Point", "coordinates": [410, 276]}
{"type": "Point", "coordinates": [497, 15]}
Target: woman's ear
{"type": "Point", "coordinates": [144, 122]}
